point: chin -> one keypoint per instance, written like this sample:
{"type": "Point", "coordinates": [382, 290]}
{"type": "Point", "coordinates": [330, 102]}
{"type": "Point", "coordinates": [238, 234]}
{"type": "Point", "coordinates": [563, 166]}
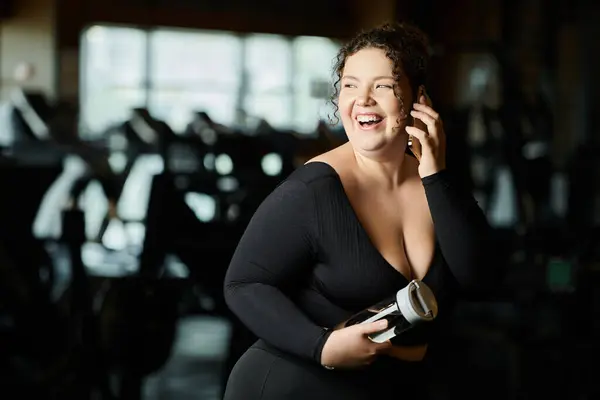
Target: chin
{"type": "Point", "coordinates": [377, 146]}
{"type": "Point", "coordinates": [374, 149]}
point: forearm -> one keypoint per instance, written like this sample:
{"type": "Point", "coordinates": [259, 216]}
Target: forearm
{"type": "Point", "coordinates": [273, 317]}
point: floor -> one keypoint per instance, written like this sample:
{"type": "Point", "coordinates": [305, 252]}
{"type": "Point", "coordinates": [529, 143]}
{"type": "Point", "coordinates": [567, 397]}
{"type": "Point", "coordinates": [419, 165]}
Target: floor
{"type": "Point", "coordinates": [194, 370]}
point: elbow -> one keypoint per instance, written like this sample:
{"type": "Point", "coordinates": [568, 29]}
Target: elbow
{"type": "Point", "coordinates": [230, 293]}
{"type": "Point", "coordinates": [238, 294]}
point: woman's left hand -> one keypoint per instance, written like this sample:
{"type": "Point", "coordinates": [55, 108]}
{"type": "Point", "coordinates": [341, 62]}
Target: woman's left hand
{"type": "Point", "coordinates": [430, 133]}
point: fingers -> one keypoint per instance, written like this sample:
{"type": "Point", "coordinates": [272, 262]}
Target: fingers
{"type": "Point", "coordinates": [429, 120]}
{"type": "Point", "coordinates": [424, 97]}
{"type": "Point", "coordinates": [420, 134]}
{"type": "Point", "coordinates": [424, 108]}
{"type": "Point", "coordinates": [424, 104]}
{"type": "Point", "coordinates": [374, 327]}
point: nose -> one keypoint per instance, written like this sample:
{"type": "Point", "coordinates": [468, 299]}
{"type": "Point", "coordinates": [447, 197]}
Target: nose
{"type": "Point", "coordinates": [364, 98]}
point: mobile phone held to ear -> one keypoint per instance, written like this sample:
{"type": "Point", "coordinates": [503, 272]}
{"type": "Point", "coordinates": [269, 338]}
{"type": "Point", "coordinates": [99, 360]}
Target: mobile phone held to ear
{"type": "Point", "coordinates": [413, 143]}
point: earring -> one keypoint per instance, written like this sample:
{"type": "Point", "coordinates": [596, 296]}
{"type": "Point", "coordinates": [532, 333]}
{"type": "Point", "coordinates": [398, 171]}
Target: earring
{"type": "Point", "coordinates": [414, 148]}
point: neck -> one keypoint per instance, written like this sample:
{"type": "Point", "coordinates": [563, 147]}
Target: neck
{"type": "Point", "coordinates": [388, 169]}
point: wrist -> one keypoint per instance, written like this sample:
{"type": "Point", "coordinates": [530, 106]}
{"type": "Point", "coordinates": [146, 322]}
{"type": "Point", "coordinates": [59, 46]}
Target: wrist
{"type": "Point", "coordinates": [326, 361]}
{"type": "Point", "coordinates": [428, 170]}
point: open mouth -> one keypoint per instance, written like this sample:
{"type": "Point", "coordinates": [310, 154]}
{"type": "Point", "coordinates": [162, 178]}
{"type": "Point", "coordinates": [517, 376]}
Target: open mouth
{"type": "Point", "coordinates": [369, 121]}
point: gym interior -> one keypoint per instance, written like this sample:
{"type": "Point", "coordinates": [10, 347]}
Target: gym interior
{"type": "Point", "coordinates": [138, 137]}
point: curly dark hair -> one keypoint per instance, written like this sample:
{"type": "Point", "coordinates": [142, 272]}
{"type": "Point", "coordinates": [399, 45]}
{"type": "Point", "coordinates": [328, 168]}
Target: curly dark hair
{"type": "Point", "coordinates": [405, 45]}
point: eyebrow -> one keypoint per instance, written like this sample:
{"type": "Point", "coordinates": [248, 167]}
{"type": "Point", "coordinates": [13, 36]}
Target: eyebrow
{"type": "Point", "coordinates": [377, 78]}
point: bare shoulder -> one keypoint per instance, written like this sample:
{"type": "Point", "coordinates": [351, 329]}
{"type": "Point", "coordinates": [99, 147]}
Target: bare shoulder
{"type": "Point", "coordinates": [340, 159]}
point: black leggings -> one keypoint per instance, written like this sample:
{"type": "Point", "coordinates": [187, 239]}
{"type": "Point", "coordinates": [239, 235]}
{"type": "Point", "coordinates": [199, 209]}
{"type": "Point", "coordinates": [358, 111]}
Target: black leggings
{"type": "Point", "coordinates": [265, 373]}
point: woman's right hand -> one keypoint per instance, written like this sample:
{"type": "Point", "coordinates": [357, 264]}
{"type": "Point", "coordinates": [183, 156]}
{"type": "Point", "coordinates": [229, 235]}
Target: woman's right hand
{"type": "Point", "coordinates": [351, 347]}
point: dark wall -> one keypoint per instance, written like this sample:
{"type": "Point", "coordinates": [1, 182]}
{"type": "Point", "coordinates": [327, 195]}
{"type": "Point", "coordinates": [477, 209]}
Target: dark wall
{"type": "Point", "coordinates": [311, 17]}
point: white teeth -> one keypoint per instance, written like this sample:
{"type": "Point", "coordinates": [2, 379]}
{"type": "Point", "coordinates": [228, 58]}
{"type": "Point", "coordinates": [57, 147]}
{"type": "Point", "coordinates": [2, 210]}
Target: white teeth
{"type": "Point", "coordinates": [367, 118]}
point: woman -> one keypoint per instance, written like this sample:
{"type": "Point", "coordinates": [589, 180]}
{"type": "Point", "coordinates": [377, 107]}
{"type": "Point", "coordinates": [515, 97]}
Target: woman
{"type": "Point", "coordinates": [350, 228]}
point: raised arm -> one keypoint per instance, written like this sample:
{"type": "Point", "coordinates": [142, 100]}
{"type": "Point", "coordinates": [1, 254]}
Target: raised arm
{"type": "Point", "coordinates": [277, 252]}
{"type": "Point", "coordinates": [463, 232]}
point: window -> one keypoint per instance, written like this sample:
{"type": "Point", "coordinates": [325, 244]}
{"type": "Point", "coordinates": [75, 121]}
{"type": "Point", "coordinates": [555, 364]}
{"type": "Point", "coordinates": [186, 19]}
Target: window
{"type": "Point", "coordinates": [268, 69]}
{"type": "Point", "coordinates": [194, 71]}
{"type": "Point", "coordinates": [113, 75]}
{"type": "Point", "coordinates": [235, 78]}
{"type": "Point", "coordinates": [312, 81]}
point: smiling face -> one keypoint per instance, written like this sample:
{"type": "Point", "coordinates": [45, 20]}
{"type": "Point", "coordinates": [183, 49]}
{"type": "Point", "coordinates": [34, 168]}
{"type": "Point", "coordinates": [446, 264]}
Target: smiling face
{"type": "Point", "coordinates": [372, 113]}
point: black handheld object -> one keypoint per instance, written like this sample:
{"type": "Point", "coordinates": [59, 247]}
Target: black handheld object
{"type": "Point", "coordinates": [414, 146]}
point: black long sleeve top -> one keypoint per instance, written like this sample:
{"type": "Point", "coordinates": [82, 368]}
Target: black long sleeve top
{"type": "Point", "coordinates": [305, 262]}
